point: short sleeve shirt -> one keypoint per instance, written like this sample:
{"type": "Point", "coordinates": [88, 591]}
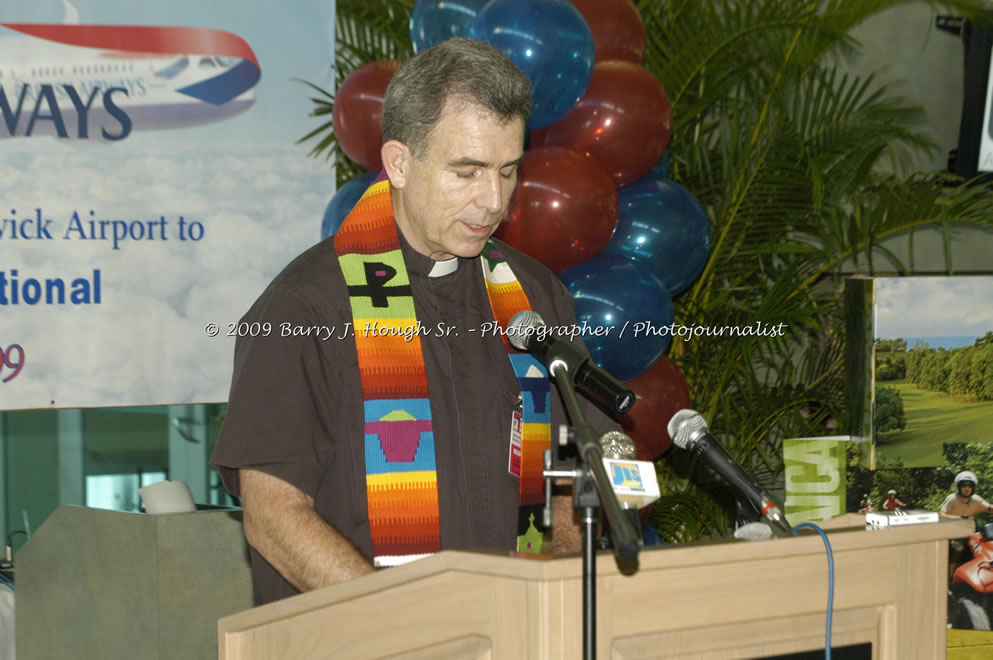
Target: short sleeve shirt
{"type": "Point", "coordinates": [954, 506]}
{"type": "Point", "coordinates": [295, 406]}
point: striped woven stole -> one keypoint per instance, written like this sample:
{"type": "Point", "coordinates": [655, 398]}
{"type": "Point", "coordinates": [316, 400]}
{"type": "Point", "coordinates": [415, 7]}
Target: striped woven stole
{"type": "Point", "coordinates": [401, 476]}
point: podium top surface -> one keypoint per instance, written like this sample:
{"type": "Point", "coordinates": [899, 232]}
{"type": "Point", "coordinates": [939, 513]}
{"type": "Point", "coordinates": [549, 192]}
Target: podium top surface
{"type": "Point", "coordinates": [846, 533]}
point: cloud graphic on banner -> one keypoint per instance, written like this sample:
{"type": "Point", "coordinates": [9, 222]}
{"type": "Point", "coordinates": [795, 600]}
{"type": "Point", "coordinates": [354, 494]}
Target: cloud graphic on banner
{"type": "Point", "coordinates": [157, 296]}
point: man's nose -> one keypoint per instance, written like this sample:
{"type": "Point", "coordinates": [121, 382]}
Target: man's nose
{"type": "Point", "coordinates": [490, 193]}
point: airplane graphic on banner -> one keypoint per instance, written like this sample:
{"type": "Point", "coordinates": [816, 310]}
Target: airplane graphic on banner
{"type": "Point", "coordinates": [101, 82]}
{"type": "Point", "coordinates": [153, 184]}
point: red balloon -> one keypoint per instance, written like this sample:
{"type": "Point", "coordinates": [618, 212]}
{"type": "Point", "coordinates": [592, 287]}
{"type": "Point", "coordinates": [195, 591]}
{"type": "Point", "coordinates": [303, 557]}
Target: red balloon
{"type": "Point", "coordinates": [618, 31]}
{"type": "Point", "coordinates": [659, 393]}
{"type": "Point", "coordinates": [564, 209]}
{"type": "Point", "coordinates": [358, 111]}
{"type": "Point", "coordinates": [624, 121]}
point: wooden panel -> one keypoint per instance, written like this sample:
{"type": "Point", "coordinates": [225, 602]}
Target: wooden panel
{"type": "Point", "coordinates": [466, 648]}
{"type": "Point", "coordinates": [970, 644]}
{"type": "Point", "coordinates": [751, 639]}
{"type": "Point", "coordinates": [730, 599]}
{"type": "Point", "coordinates": [921, 578]}
{"type": "Point", "coordinates": [903, 582]}
{"type": "Point", "coordinates": [459, 611]}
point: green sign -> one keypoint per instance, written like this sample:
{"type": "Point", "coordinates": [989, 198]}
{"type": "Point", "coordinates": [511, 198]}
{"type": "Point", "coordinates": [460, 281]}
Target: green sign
{"type": "Point", "coordinates": [815, 478]}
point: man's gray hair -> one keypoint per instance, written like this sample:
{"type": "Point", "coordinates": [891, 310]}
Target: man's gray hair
{"type": "Point", "coordinates": [460, 69]}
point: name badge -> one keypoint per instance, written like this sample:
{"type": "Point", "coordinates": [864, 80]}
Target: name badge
{"type": "Point", "coordinates": [516, 429]}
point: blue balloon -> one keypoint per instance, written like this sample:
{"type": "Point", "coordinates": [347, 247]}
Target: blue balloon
{"type": "Point", "coordinates": [433, 21]}
{"type": "Point", "coordinates": [551, 43]}
{"type": "Point", "coordinates": [612, 291]}
{"type": "Point", "coordinates": [343, 202]}
{"type": "Point", "coordinates": [660, 170]}
{"type": "Point", "coordinates": [661, 226]}
{"type": "Point", "coordinates": [650, 535]}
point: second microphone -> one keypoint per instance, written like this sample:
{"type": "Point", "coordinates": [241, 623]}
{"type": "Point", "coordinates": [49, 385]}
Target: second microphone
{"type": "Point", "coordinates": [526, 332]}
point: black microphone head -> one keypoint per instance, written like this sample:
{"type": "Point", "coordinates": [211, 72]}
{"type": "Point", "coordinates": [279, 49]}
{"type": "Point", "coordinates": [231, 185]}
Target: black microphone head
{"type": "Point", "coordinates": [521, 328]}
{"type": "Point", "coordinates": [685, 425]}
{"type": "Point", "coordinates": [617, 444]}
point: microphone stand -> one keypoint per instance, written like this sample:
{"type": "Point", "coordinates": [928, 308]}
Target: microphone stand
{"type": "Point", "coordinates": [592, 487]}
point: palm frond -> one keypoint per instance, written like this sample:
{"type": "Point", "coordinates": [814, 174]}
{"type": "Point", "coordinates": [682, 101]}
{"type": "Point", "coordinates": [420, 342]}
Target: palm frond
{"type": "Point", "coordinates": [784, 151]}
{"type": "Point", "coordinates": [365, 31]}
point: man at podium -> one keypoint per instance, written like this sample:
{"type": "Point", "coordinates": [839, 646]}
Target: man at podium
{"type": "Point", "coordinates": [386, 417]}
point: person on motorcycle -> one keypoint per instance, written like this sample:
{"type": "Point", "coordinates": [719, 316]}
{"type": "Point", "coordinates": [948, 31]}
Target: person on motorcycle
{"type": "Point", "coordinates": [964, 502]}
{"type": "Point", "coordinates": [892, 503]}
{"type": "Point", "coordinates": [865, 505]}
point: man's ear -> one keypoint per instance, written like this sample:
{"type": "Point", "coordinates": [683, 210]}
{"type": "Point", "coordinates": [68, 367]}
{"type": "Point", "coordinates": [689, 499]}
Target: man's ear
{"type": "Point", "coordinates": [396, 161]}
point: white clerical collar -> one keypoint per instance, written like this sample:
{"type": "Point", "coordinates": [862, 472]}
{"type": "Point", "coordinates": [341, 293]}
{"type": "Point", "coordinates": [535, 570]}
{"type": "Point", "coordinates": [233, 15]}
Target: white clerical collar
{"type": "Point", "coordinates": [445, 267]}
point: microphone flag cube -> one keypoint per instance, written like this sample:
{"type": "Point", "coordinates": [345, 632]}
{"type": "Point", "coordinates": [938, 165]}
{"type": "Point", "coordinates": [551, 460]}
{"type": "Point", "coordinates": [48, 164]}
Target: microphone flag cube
{"type": "Point", "coordinates": [634, 482]}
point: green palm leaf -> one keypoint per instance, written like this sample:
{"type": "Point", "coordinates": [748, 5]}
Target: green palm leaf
{"type": "Point", "coordinates": [783, 150]}
{"type": "Point", "coordinates": [365, 31]}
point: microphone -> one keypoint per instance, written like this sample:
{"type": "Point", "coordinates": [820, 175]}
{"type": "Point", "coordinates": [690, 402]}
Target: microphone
{"type": "Point", "coordinates": [689, 431]}
{"type": "Point", "coordinates": [527, 331]}
{"type": "Point", "coordinates": [634, 482]}
{"type": "Point", "coordinates": [617, 444]}
{"type": "Point", "coordinates": [753, 531]}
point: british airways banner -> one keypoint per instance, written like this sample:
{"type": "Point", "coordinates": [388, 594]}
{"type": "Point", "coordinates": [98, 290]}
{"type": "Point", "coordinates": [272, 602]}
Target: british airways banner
{"type": "Point", "coordinates": [150, 187]}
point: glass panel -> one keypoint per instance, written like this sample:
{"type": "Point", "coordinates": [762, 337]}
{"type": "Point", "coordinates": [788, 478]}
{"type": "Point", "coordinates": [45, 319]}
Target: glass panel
{"type": "Point", "coordinates": [118, 491]}
{"type": "Point", "coordinates": [100, 457]}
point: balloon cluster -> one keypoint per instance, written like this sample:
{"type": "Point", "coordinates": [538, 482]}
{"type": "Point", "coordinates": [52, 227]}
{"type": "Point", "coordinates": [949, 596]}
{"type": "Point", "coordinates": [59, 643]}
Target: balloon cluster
{"type": "Point", "coordinates": [593, 202]}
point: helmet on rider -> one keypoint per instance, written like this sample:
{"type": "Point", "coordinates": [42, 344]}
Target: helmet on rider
{"type": "Point", "coordinates": [966, 478]}
{"type": "Point", "coordinates": [890, 492]}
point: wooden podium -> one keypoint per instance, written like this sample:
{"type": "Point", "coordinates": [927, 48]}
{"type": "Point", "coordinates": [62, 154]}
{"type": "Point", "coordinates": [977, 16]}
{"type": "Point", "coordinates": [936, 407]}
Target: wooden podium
{"type": "Point", "coordinates": [736, 599]}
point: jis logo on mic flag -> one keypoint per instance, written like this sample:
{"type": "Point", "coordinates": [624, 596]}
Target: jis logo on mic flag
{"type": "Point", "coordinates": [626, 475]}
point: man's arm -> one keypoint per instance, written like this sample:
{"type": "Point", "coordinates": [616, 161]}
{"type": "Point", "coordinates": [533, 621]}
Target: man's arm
{"type": "Point", "coordinates": [282, 525]}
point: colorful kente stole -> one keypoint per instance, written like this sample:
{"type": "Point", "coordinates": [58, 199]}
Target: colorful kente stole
{"type": "Point", "coordinates": [506, 299]}
{"type": "Point", "coordinates": [401, 478]}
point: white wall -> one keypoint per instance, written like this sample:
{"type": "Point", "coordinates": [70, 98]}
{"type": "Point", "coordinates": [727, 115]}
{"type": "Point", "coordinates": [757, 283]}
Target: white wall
{"type": "Point", "coordinates": [903, 44]}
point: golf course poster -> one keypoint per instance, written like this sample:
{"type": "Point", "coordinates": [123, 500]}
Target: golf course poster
{"type": "Point", "coordinates": [932, 357]}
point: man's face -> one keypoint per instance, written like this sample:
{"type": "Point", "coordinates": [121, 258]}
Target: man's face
{"type": "Point", "coordinates": [454, 196]}
{"type": "Point", "coordinates": [965, 490]}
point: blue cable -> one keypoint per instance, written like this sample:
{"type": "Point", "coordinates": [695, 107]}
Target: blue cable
{"type": "Point", "coordinates": [830, 603]}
